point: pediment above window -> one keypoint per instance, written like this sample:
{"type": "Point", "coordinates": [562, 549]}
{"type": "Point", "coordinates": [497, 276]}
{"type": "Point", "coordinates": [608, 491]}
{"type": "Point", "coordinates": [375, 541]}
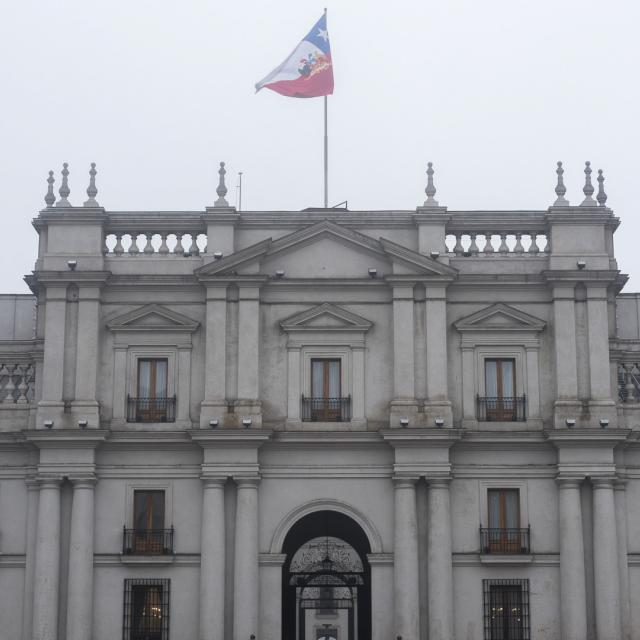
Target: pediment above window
{"type": "Point", "coordinates": [326, 317]}
{"type": "Point", "coordinates": [500, 317]}
{"type": "Point", "coordinates": [152, 318]}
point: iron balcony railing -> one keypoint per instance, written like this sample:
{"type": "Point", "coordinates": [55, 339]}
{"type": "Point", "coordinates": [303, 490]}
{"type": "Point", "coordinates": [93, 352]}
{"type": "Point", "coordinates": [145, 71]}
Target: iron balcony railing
{"type": "Point", "coordinates": [151, 409]}
{"type": "Point", "coordinates": [326, 409]}
{"type": "Point", "coordinates": [158, 542]}
{"type": "Point", "coordinates": [503, 541]}
{"type": "Point", "coordinates": [506, 409]}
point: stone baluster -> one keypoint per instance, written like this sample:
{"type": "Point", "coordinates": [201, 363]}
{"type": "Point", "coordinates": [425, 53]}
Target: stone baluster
{"type": "Point", "coordinates": [629, 386]}
{"type": "Point", "coordinates": [588, 187]}
{"type": "Point", "coordinates": [547, 247]}
{"type": "Point", "coordinates": [23, 386]}
{"type": "Point", "coordinates": [602, 196]}
{"type": "Point", "coordinates": [430, 189]}
{"type": "Point", "coordinates": [503, 249]}
{"type": "Point", "coordinates": [9, 388]}
{"type": "Point", "coordinates": [488, 247]}
{"type": "Point", "coordinates": [561, 201]}
{"type": "Point", "coordinates": [163, 249]}
{"type": "Point", "coordinates": [534, 249]}
{"type": "Point", "coordinates": [92, 192]}
{"type": "Point", "coordinates": [518, 249]}
{"type": "Point", "coordinates": [118, 249]}
{"type": "Point", "coordinates": [148, 247]}
{"type": "Point", "coordinates": [134, 249]}
{"type": "Point", "coordinates": [178, 250]}
{"type": "Point", "coordinates": [473, 247]}
{"type": "Point", "coordinates": [64, 188]}
{"type": "Point", "coordinates": [50, 198]}
{"type": "Point", "coordinates": [222, 188]}
{"type": "Point", "coordinates": [193, 249]}
{"type": "Point", "coordinates": [458, 249]}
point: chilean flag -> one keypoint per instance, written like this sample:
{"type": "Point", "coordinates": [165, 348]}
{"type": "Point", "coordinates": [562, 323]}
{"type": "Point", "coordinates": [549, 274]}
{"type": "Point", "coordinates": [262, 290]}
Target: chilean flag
{"type": "Point", "coordinates": [307, 72]}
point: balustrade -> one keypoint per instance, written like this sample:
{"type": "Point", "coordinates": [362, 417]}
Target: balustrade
{"type": "Point", "coordinates": [497, 243]}
{"type": "Point", "coordinates": [629, 382]}
{"type": "Point", "coordinates": [17, 383]}
{"type": "Point", "coordinates": [162, 243]}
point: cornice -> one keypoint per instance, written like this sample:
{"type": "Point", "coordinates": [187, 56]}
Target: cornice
{"type": "Point", "coordinates": [230, 438]}
{"type": "Point", "coordinates": [66, 438]}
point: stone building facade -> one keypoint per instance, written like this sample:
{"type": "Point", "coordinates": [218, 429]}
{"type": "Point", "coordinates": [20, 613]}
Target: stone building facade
{"type": "Point", "coordinates": [223, 424]}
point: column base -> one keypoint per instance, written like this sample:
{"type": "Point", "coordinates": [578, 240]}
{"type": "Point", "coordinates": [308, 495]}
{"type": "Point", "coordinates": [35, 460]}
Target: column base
{"type": "Point", "coordinates": [213, 410]}
{"type": "Point", "coordinates": [245, 410]}
{"type": "Point", "coordinates": [399, 409]}
{"type": "Point", "coordinates": [88, 410]}
{"type": "Point", "coordinates": [593, 414]}
{"type": "Point", "coordinates": [438, 410]}
{"type": "Point", "coordinates": [51, 410]}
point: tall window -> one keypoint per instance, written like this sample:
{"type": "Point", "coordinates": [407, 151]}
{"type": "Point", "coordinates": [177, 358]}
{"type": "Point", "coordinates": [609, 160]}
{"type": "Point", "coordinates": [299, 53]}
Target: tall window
{"type": "Point", "coordinates": [506, 609]}
{"type": "Point", "coordinates": [504, 520]}
{"type": "Point", "coordinates": [326, 389]}
{"type": "Point", "coordinates": [146, 610]}
{"type": "Point", "coordinates": [500, 399]}
{"type": "Point", "coordinates": [148, 521]}
{"type": "Point", "coordinates": [152, 390]}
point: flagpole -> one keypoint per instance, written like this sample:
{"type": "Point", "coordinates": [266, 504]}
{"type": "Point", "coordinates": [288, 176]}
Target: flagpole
{"type": "Point", "coordinates": [326, 158]}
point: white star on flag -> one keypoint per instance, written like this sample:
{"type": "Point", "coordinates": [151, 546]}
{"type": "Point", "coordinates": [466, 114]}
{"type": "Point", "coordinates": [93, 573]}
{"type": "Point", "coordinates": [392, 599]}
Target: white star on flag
{"type": "Point", "coordinates": [324, 34]}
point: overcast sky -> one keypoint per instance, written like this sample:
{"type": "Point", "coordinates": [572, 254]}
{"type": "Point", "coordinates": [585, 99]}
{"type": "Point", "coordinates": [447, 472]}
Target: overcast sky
{"type": "Point", "coordinates": [158, 92]}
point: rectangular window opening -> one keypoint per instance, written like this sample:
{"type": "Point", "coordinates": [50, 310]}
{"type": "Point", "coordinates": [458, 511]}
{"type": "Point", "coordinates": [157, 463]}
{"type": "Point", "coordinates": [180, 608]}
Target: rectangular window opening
{"type": "Point", "coordinates": [500, 402]}
{"type": "Point", "coordinates": [146, 609]}
{"type": "Point", "coordinates": [506, 609]}
{"type": "Point", "coordinates": [326, 403]}
{"type": "Point", "coordinates": [151, 403]}
{"type": "Point", "coordinates": [504, 533]}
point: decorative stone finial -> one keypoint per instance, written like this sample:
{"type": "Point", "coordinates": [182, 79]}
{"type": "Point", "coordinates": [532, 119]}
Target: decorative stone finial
{"type": "Point", "coordinates": [602, 196]}
{"type": "Point", "coordinates": [64, 187]}
{"type": "Point", "coordinates": [430, 190]}
{"type": "Point", "coordinates": [588, 187]}
{"type": "Point", "coordinates": [50, 197]}
{"type": "Point", "coordinates": [561, 201]}
{"type": "Point", "coordinates": [91, 189]}
{"type": "Point", "coordinates": [222, 188]}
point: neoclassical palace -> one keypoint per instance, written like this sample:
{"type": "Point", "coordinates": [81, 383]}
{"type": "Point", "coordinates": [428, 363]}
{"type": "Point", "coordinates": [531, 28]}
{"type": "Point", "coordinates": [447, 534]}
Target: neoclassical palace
{"type": "Point", "coordinates": [321, 424]}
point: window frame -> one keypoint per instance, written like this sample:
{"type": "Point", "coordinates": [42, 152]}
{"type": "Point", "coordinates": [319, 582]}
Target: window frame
{"type": "Point", "coordinates": [524, 630]}
{"type": "Point", "coordinates": [128, 609]}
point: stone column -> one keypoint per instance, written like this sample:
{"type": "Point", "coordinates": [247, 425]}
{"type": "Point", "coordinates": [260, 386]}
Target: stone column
{"type": "Point", "coordinates": [403, 402]}
{"type": "Point", "coordinates": [623, 561]}
{"type": "Point", "coordinates": [605, 561]}
{"type": "Point", "coordinates": [405, 560]}
{"type": "Point", "coordinates": [214, 404]}
{"type": "Point", "coordinates": [212, 560]}
{"type": "Point", "coordinates": [533, 383]}
{"type": "Point", "coordinates": [183, 385]}
{"type": "Point", "coordinates": [245, 585]}
{"type": "Point", "coordinates": [119, 384]}
{"type": "Point", "coordinates": [80, 584]}
{"type": "Point", "coordinates": [47, 569]}
{"type": "Point", "coordinates": [439, 561]}
{"type": "Point", "coordinates": [573, 599]}
{"type": "Point", "coordinates": [271, 595]}
{"type": "Point", "coordinates": [381, 595]}
{"type": "Point", "coordinates": [598, 323]}
{"type": "Point", "coordinates": [468, 387]}
{"type": "Point", "coordinates": [30, 549]}
{"type": "Point", "coordinates": [437, 404]}
{"type": "Point", "coordinates": [248, 352]}
{"type": "Point", "coordinates": [294, 395]}
{"type": "Point", "coordinates": [85, 405]}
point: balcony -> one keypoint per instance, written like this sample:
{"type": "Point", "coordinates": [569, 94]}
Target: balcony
{"type": "Point", "coordinates": [151, 542]}
{"type": "Point", "coordinates": [326, 409]}
{"type": "Point", "coordinates": [506, 409]}
{"type": "Point", "coordinates": [505, 541]}
{"type": "Point", "coordinates": [151, 409]}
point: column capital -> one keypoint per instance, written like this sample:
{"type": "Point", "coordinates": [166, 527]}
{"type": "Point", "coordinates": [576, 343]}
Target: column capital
{"type": "Point", "coordinates": [213, 482]}
{"type": "Point", "coordinates": [247, 482]}
{"type": "Point", "coordinates": [404, 482]}
{"type": "Point", "coordinates": [605, 482]}
{"type": "Point", "coordinates": [569, 482]}
{"type": "Point", "coordinates": [438, 483]}
{"type": "Point", "coordinates": [83, 481]}
{"type": "Point", "coordinates": [620, 484]}
{"type": "Point", "coordinates": [49, 482]}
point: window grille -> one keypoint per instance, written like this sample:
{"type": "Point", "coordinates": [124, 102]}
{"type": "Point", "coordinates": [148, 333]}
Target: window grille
{"type": "Point", "coordinates": [506, 609]}
{"type": "Point", "coordinates": [146, 609]}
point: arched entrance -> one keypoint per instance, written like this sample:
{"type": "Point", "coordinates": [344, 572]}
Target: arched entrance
{"type": "Point", "coordinates": [326, 581]}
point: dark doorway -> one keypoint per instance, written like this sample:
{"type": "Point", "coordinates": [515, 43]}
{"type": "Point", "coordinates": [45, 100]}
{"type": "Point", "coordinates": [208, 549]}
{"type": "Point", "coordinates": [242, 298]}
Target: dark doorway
{"type": "Point", "coordinates": [333, 568]}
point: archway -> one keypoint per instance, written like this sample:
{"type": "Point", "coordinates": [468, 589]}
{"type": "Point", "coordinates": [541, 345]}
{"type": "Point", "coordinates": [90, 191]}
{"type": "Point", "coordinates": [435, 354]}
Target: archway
{"type": "Point", "coordinates": [326, 580]}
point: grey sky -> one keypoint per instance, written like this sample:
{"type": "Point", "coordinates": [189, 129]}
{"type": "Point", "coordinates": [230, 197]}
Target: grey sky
{"type": "Point", "coordinates": [158, 92]}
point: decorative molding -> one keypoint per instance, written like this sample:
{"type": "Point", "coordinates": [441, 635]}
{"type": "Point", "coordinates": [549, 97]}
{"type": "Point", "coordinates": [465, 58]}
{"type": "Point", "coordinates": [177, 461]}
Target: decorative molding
{"type": "Point", "coordinates": [152, 317]}
{"type": "Point", "coordinates": [499, 317]}
{"type": "Point", "coordinates": [336, 319]}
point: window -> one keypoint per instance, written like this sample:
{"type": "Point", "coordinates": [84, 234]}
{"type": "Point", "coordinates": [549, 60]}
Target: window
{"type": "Point", "coordinates": [146, 610]}
{"type": "Point", "coordinates": [504, 534]}
{"type": "Point", "coordinates": [151, 403]}
{"type": "Point", "coordinates": [149, 534]}
{"type": "Point", "coordinates": [500, 403]}
{"type": "Point", "coordinates": [506, 609]}
{"type": "Point", "coordinates": [326, 403]}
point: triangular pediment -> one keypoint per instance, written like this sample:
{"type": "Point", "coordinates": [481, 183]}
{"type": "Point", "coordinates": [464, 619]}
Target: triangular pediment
{"type": "Point", "coordinates": [500, 317]}
{"type": "Point", "coordinates": [152, 317]}
{"type": "Point", "coordinates": [326, 317]}
{"type": "Point", "coordinates": [328, 241]}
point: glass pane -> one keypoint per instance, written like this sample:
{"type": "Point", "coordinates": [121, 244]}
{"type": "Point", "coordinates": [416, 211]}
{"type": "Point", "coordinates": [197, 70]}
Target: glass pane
{"type": "Point", "coordinates": [144, 378]}
{"type": "Point", "coordinates": [507, 379]}
{"type": "Point", "coordinates": [161, 379]}
{"type": "Point", "coordinates": [148, 509]}
{"type": "Point", "coordinates": [491, 378]}
{"type": "Point", "coordinates": [334, 379]}
{"type": "Point", "coordinates": [512, 508]}
{"type": "Point", "coordinates": [494, 509]}
{"type": "Point", "coordinates": [317, 379]}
